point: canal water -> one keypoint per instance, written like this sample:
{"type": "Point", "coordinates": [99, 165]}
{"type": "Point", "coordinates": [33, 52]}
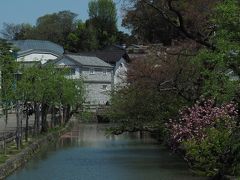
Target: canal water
{"type": "Point", "coordinates": [87, 154]}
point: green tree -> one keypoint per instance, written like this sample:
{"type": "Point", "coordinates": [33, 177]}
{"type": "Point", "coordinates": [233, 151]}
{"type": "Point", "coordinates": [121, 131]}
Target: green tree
{"type": "Point", "coordinates": [125, 38]}
{"type": "Point", "coordinates": [8, 68]}
{"type": "Point", "coordinates": [10, 31]}
{"type": "Point", "coordinates": [82, 39]}
{"type": "Point", "coordinates": [148, 25]}
{"type": "Point", "coordinates": [27, 32]}
{"type": "Point", "coordinates": [48, 87]}
{"type": "Point", "coordinates": [212, 155]}
{"type": "Point", "coordinates": [155, 89]}
{"type": "Point", "coordinates": [220, 67]}
{"type": "Point", "coordinates": [55, 27]}
{"type": "Point", "coordinates": [103, 18]}
{"type": "Point", "coordinates": [17, 31]}
{"type": "Point", "coordinates": [217, 152]}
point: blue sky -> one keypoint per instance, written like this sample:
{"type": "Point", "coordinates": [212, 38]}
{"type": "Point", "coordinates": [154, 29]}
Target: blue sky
{"type": "Point", "coordinates": [27, 11]}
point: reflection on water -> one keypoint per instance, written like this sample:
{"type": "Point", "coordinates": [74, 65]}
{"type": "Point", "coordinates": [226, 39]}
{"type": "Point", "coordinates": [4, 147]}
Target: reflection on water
{"type": "Point", "coordinates": [87, 154]}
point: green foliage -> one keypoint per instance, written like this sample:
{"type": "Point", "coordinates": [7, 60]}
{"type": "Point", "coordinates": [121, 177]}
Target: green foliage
{"type": "Point", "coordinates": [85, 116]}
{"type": "Point", "coordinates": [27, 31]}
{"type": "Point", "coordinates": [19, 31]}
{"type": "Point", "coordinates": [55, 27]}
{"type": "Point", "coordinates": [220, 67]}
{"type": "Point", "coordinates": [207, 157]}
{"type": "Point", "coordinates": [72, 92]}
{"type": "Point", "coordinates": [8, 67]}
{"type": "Point", "coordinates": [125, 38]}
{"type": "Point", "coordinates": [132, 108]}
{"type": "Point", "coordinates": [49, 84]}
{"type": "Point", "coordinates": [82, 39]}
{"type": "Point", "coordinates": [148, 25]}
{"type": "Point", "coordinates": [215, 154]}
{"type": "Point", "coordinates": [3, 158]}
{"type": "Point", "coordinates": [50, 87]}
{"type": "Point", "coordinates": [99, 31]}
{"type": "Point", "coordinates": [227, 20]}
{"type": "Point", "coordinates": [219, 81]}
{"type": "Point", "coordinates": [103, 17]}
{"type": "Point", "coordinates": [105, 11]}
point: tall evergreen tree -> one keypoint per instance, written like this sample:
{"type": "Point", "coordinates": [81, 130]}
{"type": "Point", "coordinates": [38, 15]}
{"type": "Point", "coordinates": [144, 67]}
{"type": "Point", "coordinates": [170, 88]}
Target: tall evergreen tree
{"type": "Point", "coordinates": [103, 18]}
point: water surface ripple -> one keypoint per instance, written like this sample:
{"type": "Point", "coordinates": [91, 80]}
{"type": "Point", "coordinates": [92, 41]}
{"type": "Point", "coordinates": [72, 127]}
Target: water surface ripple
{"type": "Point", "coordinates": [87, 154]}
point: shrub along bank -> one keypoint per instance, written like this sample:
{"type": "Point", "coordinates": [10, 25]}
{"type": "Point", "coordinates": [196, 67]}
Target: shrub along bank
{"type": "Point", "coordinates": [208, 136]}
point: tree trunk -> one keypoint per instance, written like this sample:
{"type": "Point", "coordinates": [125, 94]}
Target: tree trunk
{"type": "Point", "coordinates": [26, 130]}
{"type": "Point", "coordinates": [60, 115]}
{"type": "Point", "coordinates": [44, 117]}
{"type": "Point", "coordinates": [37, 117]}
{"type": "Point", "coordinates": [52, 116]}
{"type": "Point", "coordinates": [6, 116]}
{"type": "Point", "coordinates": [18, 139]}
{"type": "Point", "coordinates": [68, 114]}
{"type": "Point", "coordinates": [141, 134]}
{"type": "Point", "coordinates": [64, 114]}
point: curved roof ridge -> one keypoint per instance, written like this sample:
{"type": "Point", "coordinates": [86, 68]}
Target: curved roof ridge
{"type": "Point", "coordinates": [44, 45]}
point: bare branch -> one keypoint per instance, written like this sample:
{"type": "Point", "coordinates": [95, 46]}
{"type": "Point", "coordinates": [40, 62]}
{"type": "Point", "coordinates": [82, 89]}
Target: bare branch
{"type": "Point", "coordinates": [180, 25]}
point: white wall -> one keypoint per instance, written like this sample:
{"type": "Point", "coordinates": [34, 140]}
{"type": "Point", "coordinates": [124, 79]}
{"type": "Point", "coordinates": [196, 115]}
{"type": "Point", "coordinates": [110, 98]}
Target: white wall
{"type": "Point", "coordinates": [120, 72]}
{"type": "Point", "coordinates": [98, 74]}
{"type": "Point", "coordinates": [96, 94]}
{"type": "Point", "coordinates": [72, 65]}
{"type": "Point", "coordinates": [37, 57]}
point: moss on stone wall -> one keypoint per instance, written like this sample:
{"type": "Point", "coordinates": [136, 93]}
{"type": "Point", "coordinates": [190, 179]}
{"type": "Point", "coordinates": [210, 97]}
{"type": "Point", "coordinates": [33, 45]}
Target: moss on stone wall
{"type": "Point", "coordinates": [12, 164]}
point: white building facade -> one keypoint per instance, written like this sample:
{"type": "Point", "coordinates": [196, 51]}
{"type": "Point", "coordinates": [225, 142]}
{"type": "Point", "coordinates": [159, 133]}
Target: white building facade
{"type": "Point", "coordinates": [97, 75]}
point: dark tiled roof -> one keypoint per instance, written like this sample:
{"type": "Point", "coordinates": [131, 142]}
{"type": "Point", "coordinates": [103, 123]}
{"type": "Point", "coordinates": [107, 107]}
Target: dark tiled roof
{"type": "Point", "coordinates": [112, 57]}
{"type": "Point", "coordinates": [27, 46]}
{"type": "Point", "coordinates": [88, 60]}
{"type": "Point", "coordinates": [112, 54]}
{"type": "Point", "coordinates": [82, 60]}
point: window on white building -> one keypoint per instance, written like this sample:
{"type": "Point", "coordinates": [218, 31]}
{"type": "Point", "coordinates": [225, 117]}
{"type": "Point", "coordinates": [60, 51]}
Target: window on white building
{"type": "Point", "coordinates": [104, 87]}
{"type": "Point", "coordinates": [92, 71]}
{"type": "Point", "coordinates": [105, 71]}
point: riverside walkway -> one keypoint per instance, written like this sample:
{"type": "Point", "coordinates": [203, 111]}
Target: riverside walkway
{"type": "Point", "coordinates": [8, 129]}
{"type": "Point", "coordinates": [12, 122]}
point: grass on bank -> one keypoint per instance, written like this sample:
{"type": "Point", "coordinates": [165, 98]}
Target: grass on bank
{"type": "Point", "coordinates": [11, 148]}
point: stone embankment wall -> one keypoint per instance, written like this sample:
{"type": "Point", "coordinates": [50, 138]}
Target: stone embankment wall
{"type": "Point", "coordinates": [26, 154]}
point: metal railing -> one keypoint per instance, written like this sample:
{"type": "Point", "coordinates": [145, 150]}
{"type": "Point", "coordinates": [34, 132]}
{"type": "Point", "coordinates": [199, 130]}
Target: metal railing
{"type": "Point", "coordinates": [9, 136]}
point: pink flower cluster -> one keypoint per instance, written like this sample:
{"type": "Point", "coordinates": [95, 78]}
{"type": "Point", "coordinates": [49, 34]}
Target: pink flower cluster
{"type": "Point", "coordinates": [194, 120]}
